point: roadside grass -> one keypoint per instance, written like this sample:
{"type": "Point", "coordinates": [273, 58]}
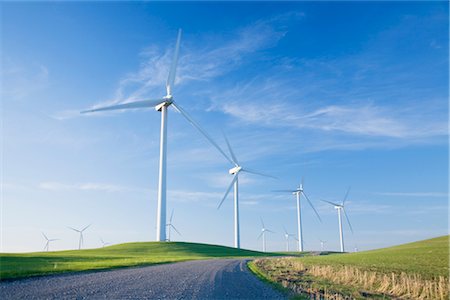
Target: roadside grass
{"type": "Point", "coordinates": [417, 270]}
{"type": "Point", "coordinates": [13, 265]}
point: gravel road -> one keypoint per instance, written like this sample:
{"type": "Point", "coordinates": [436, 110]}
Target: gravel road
{"type": "Point", "coordinates": [206, 279]}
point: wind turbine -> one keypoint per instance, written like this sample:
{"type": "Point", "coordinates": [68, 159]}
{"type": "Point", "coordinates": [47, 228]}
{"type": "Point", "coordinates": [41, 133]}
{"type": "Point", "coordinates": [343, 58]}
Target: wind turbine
{"type": "Point", "coordinates": [286, 237]}
{"type": "Point", "coordinates": [298, 192]}
{"type": "Point", "coordinates": [80, 242]}
{"type": "Point", "coordinates": [263, 234]}
{"type": "Point", "coordinates": [322, 244]}
{"type": "Point", "coordinates": [341, 208]}
{"type": "Point", "coordinates": [104, 243]}
{"type": "Point", "coordinates": [161, 105]}
{"type": "Point", "coordinates": [170, 226]}
{"type": "Point", "coordinates": [47, 244]}
{"type": "Point", "coordinates": [235, 182]}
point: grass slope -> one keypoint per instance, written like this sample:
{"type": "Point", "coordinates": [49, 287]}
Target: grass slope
{"type": "Point", "coordinates": [123, 255]}
{"type": "Point", "coordinates": [414, 270]}
{"type": "Point", "coordinates": [429, 258]}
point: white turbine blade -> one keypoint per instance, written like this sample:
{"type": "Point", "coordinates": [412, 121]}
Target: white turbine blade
{"type": "Point", "coordinates": [171, 217]}
{"type": "Point", "coordinates": [348, 220]}
{"type": "Point", "coordinates": [312, 206]}
{"type": "Point", "coordinates": [54, 240]}
{"type": "Point", "coordinates": [228, 190]}
{"type": "Point", "coordinates": [135, 104]}
{"type": "Point", "coordinates": [202, 131]}
{"type": "Point", "coordinates": [262, 223]}
{"type": "Point", "coordinates": [346, 195]}
{"type": "Point", "coordinates": [257, 173]}
{"type": "Point", "coordinates": [73, 229]}
{"type": "Point", "coordinates": [285, 231]}
{"type": "Point", "coordinates": [233, 156]}
{"type": "Point", "coordinates": [330, 202]}
{"type": "Point", "coordinates": [259, 236]}
{"type": "Point", "coordinates": [175, 229]}
{"type": "Point", "coordinates": [268, 230]}
{"type": "Point", "coordinates": [86, 227]}
{"type": "Point", "coordinates": [283, 191]}
{"type": "Point", "coordinates": [45, 236]}
{"type": "Point", "coordinates": [173, 67]}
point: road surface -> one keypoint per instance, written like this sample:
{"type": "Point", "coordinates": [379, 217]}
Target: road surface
{"type": "Point", "coordinates": [206, 279]}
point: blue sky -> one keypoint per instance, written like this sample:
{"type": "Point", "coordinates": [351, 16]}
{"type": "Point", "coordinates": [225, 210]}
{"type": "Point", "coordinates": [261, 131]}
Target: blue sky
{"type": "Point", "coordinates": [342, 94]}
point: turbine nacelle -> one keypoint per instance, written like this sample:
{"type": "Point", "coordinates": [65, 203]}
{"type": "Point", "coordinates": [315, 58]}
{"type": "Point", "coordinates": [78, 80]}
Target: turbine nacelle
{"type": "Point", "coordinates": [235, 170]}
{"type": "Point", "coordinates": [167, 101]}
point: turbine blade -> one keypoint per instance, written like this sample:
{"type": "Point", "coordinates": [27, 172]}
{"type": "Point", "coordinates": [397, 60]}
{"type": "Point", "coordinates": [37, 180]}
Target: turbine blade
{"type": "Point", "coordinates": [262, 223]}
{"type": "Point", "coordinates": [346, 195]}
{"type": "Point", "coordinates": [86, 227]}
{"type": "Point", "coordinates": [259, 236]}
{"type": "Point", "coordinates": [73, 229]}
{"type": "Point", "coordinates": [330, 202]}
{"type": "Point", "coordinates": [303, 180]}
{"type": "Point", "coordinates": [312, 206]}
{"type": "Point", "coordinates": [268, 230]}
{"type": "Point", "coordinates": [171, 217]}
{"type": "Point", "coordinates": [285, 231]}
{"type": "Point", "coordinates": [135, 104]}
{"type": "Point", "coordinates": [348, 220]}
{"type": "Point", "coordinates": [233, 156]}
{"type": "Point", "coordinates": [175, 229]}
{"type": "Point", "coordinates": [283, 191]}
{"type": "Point", "coordinates": [257, 173]}
{"type": "Point", "coordinates": [228, 190]}
{"type": "Point", "coordinates": [45, 236]}
{"type": "Point", "coordinates": [202, 131]}
{"type": "Point", "coordinates": [173, 67]}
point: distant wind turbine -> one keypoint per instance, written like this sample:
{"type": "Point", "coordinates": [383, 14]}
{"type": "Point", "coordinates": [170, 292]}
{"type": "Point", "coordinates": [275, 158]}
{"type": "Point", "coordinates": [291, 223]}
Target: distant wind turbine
{"type": "Point", "coordinates": [263, 234]}
{"type": "Point", "coordinates": [298, 192]}
{"type": "Point", "coordinates": [234, 182]}
{"type": "Point", "coordinates": [81, 241]}
{"type": "Point", "coordinates": [104, 243]}
{"type": "Point", "coordinates": [48, 241]}
{"type": "Point", "coordinates": [161, 105]}
{"type": "Point", "coordinates": [170, 226]}
{"type": "Point", "coordinates": [341, 208]}
{"type": "Point", "coordinates": [286, 237]}
{"type": "Point", "coordinates": [322, 244]}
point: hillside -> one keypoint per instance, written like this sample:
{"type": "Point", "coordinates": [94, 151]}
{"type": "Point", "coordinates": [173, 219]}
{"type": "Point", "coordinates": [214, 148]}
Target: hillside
{"type": "Point", "coordinates": [130, 254]}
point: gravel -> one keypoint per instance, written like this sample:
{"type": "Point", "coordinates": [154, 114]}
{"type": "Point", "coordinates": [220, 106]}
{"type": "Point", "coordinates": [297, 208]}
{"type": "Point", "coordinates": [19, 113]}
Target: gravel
{"type": "Point", "coordinates": [206, 279]}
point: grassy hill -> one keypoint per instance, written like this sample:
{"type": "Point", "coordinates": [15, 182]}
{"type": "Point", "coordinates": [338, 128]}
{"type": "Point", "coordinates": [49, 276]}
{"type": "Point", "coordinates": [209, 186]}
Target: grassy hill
{"type": "Point", "coordinates": [123, 255]}
{"type": "Point", "coordinates": [414, 270]}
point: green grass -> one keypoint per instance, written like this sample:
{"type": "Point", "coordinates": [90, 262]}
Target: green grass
{"type": "Point", "coordinates": [429, 258]}
{"type": "Point", "coordinates": [123, 255]}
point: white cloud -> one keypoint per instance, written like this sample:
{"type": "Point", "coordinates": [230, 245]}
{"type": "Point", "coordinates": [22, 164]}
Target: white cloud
{"type": "Point", "coordinates": [414, 194]}
{"type": "Point", "coordinates": [102, 187]}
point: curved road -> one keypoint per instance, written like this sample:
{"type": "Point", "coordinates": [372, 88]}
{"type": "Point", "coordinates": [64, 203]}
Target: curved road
{"type": "Point", "coordinates": [204, 279]}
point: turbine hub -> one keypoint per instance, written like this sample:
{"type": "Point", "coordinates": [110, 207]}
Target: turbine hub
{"type": "Point", "coordinates": [167, 101]}
{"type": "Point", "coordinates": [235, 170]}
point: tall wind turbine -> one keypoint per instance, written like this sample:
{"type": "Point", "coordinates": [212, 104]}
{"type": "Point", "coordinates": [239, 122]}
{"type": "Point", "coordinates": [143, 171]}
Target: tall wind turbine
{"type": "Point", "coordinates": [286, 237]}
{"type": "Point", "coordinates": [341, 208]}
{"type": "Point", "coordinates": [47, 244]}
{"type": "Point", "coordinates": [80, 241]}
{"type": "Point", "coordinates": [263, 234]}
{"type": "Point", "coordinates": [104, 243]}
{"type": "Point", "coordinates": [161, 105]}
{"type": "Point", "coordinates": [298, 192]}
{"type": "Point", "coordinates": [235, 182]}
{"type": "Point", "coordinates": [170, 226]}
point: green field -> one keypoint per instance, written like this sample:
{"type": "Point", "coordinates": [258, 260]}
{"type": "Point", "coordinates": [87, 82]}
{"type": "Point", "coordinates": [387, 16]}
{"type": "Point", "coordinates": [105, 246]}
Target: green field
{"type": "Point", "coordinates": [123, 255]}
{"type": "Point", "coordinates": [429, 258]}
{"type": "Point", "coordinates": [414, 270]}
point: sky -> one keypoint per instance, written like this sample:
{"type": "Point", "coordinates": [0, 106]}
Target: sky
{"type": "Point", "coordinates": [342, 94]}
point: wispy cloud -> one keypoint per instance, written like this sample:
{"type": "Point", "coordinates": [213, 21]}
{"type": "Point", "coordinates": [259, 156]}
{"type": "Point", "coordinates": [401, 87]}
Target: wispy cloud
{"type": "Point", "coordinates": [102, 187]}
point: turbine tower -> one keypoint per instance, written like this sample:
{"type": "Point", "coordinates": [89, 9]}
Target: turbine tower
{"type": "Point", "coordinates": [263, 234]}
{"type": "Point", "coordinates": [298, 192]}
{"type": "Point", "coordinates": [80, 241]}
{"type": "Point", "coordinates": [48, 241]}
{"type": "Point", "coordinates": [162, 105]}
{"type": "Point", "coordinates": [322, 244]}
{"type": "Point", "coordinates": [235, 182]}
{"type": "Point", "coordinates": [341, 208]}
{"type": "Point", "coordinates": [286, 237]}
{"type": "Point", "coordinates": [170, 226]}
